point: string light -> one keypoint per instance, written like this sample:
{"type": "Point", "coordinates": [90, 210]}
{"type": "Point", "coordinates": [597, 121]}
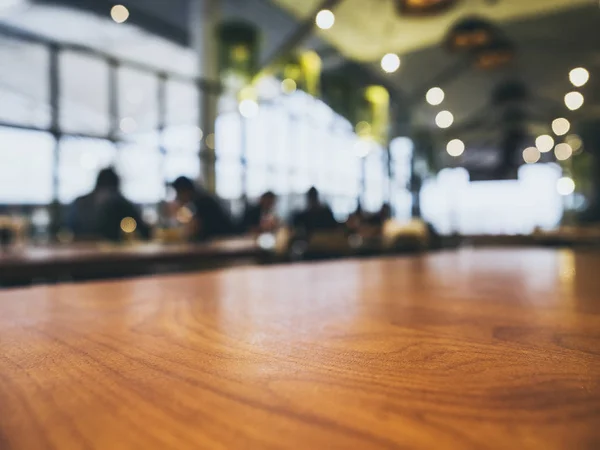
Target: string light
{"type": "Point", "coordinates": [325, 19]}
{"type": "Point", "coordinates": [574, 100]}
{"type": "Point", "coordinates": [561, 126]}
{"type": "Point", "coordinates": [444, 119]}
{"type": "Point", "coordinates": [210, 141]}
{"type": "Point", "coordinates": [565, 186]}
{"type": "Point", "coordinates": [288, 86]}
{"type": "Point", "coordinates": [579, 76]}
{"type": "Point", "coordinates": [119, 13]}
{"type": "Point", "coordinates": [563, 152]}
{"type": "Point", "coordinates": [455, 147]}
{"type": "Point", "coordinates": [575, 142]}
{"type": "Point", "coordinates": [390, 63]}
{"type": "Point", "coordinates": [435, 96]}
{"type": "Point", "coordinates": [531, 155]}
{"type": "Point", "coordinates": [544, 143]}
{"type": "Point", "coordinates": [128, 225]}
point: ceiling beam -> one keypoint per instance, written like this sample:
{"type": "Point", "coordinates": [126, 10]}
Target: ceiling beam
{"type": "Point", "coordinates": [299, 34]}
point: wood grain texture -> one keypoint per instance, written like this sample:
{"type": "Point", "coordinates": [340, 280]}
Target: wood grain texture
{"type": "Point", "coordinates": [467, 350]}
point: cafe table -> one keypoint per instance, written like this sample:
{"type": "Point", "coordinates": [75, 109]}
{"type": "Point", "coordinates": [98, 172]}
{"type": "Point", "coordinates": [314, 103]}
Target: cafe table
{"type": "Point", "coordinates": [24, 264]}
{"type": "Point", "coordinates": [470, 349]}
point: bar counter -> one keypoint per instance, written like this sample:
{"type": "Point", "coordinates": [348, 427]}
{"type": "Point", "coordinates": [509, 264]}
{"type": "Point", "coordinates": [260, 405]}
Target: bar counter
{"type": "Point", "coordinates": [473, 349]}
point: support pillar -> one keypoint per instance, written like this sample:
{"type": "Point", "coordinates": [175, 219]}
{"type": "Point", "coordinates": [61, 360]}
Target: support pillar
{"type": "Point", "coordinates": [204, 19]}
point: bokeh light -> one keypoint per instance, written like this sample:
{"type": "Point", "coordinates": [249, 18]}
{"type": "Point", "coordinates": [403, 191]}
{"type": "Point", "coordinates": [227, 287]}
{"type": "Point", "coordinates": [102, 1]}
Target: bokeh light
{"type": "Point", "coordinates": [575, 142]}
{"type": "Point", "coordinates": [210, 141]}
{"type": "Point", "coordinates": [455, 147]}
{"type": "Point", "coordinates": [119, 13]}
{"type": "Point", "coordinates": [563, 152]}
{"type": "Point", "coordinates": [325, 19]}
{"type": "Point", "coordinates": [565, 186]}
{"type": "Point", "coordinates": [390, 63]}
{"type": "Point", "coordinates": [128, 225]}
{"type": "Point", "coordinates": [444, 119]}
{"type": "Point", "coordinates": [561, 126]}
{"type": "Point", "coordinates": [579, 76]}
{"type": "Point", "coordinates": [531, 155]}
{"type": "Point", "coordinates": [435, 96]}
{"type": "Point", "coordinates": [248, 108]}
{"type": "Point", "coordinates": [574, 100]}
{"type": "Point", "coordinates": [288, 86]}
{"type": "Point", "coordinates": [544, 143]}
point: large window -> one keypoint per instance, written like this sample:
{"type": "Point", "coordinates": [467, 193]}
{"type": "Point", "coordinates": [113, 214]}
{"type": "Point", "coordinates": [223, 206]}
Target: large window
{"type": "Point", "coordinates": [140, 165]}
{"type": "Point", "coordinates": [401, 152]}
{"type": "Point", "coordinates": [79, 162]}
{"type": "Point", "coordinates": [24, 89]}
{"type": "Point", "coordinates": [375, 179]}
{"type": "Point", "coordinates": [294, 142]}
{"type": "Point", "coordinates": [84, 101]}
{"type": "Point", "coordinates": [26, 163]}
{"type": "Point", "coordinates": [147, 128]}
{"type": "Point", "coordinates": [453, 204]}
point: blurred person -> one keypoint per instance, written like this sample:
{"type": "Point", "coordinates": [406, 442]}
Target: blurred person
{"type": "Point", "coordinates": [383, 215]}
{"type": "Point", "coordinates": [355, 220]}
{"type": "Point", "coordinates": [260, 218]}
{"type": "Point", "coordinates": [99, 214]}
{"type": "Point", "coordinates": [316, 216]}
{"type": "Point", "coordinates": [201, 213]}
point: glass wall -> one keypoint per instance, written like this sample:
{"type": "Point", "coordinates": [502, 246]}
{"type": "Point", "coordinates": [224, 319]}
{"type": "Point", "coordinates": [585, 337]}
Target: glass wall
{"type": "Point", "coordinates": [145, 124]}
{"type": "Point", "coordinates": [455, 205]}
{"type": "Point", "coordinates": [26, 161]}
{"type": "Point", "coordinates": [292, 143]}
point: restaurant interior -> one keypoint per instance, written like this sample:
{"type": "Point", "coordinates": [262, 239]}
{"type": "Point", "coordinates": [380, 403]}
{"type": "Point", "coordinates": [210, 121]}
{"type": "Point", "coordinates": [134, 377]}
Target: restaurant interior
{"type": "Point", "coordinates": [285, 223]}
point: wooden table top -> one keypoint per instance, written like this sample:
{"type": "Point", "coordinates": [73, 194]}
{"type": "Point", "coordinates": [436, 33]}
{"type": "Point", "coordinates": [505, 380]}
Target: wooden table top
{"type": "Point", "coordinates": [474, 349]}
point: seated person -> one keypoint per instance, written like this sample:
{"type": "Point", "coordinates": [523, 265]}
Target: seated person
{"type": "Point", "coordinates": [355, 220]}
{"type": "Point", "coordinates": [380, 217]}
{"type": "Point", "coordinates": [98, 215]}
{"type": "Point", "coordinates": [207, 218]}
{"type": "Point", "coordinates": [316, 216]}
{"type": "Point", "coordinates": [260, 218]}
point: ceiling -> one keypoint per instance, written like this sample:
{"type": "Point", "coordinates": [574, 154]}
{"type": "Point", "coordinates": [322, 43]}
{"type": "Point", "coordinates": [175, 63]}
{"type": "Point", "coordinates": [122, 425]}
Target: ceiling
{"type": "Point", "coordinates": [366, 30]}
{"type": "Point", "coordinates": [551, 37]}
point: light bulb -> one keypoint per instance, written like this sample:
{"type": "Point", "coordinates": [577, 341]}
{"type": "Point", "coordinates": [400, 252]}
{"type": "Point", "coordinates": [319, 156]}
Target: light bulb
{"type": "Point", "coordinates": [544, 143]}
{"type": "Point", "coordinates": [574, 100]}
{"type": "Point", "coordinates": [435, 96]}
{"type": "Point", "coordinates": [444, 119]}
{"type": "Point", "coordinates": [390, 63]}
{"type": "Point", "coordinates": [288, 86]}
{"type": "Point", "coordinates": [563, 152]}
{"type": "Point", "coordinates": [531, 155]}
{"type": "Point", "coordinates": [455, 147]}
{"type": "Point", "coordinates": [579, 76]}
{"type": "Point", "coordinates": [119, 13]}
{"type": "Point", "coordinates": [561, 126]}
{"type": "Point", "coordinates": [325, 19]}
{"type": "Point", "coordinates": [565, 186]}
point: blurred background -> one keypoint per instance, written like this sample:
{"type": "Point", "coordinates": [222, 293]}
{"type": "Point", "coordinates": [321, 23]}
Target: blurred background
{"type": "Point", "coordinates": [473, 118]}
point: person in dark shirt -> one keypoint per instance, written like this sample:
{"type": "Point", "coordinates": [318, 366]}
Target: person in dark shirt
{"type": "Point", "coordinates": [316, 216]}
{"type": "Point", "coordinates": [260, 218]}
{"type": "Point", "coordinates": [206, 218]}
{"type": "Point", "coordinates": [383, 215]}
{"type": "Point", "coordinates": [98, 215]}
